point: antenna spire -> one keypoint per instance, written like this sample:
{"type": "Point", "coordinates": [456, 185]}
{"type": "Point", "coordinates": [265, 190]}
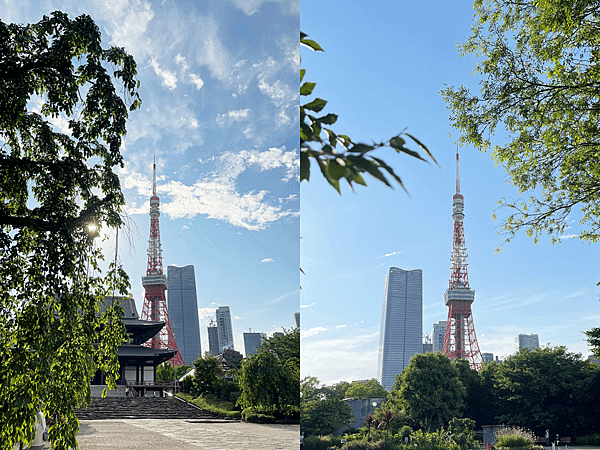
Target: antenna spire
{"type": "Point", "coordinates": [457, 177]}
{"type": "Point", "coordinates": [154, 176]}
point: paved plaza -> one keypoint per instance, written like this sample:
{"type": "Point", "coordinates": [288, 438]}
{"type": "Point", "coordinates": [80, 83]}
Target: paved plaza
{"type": "Point", "coordinates": [167, 434]}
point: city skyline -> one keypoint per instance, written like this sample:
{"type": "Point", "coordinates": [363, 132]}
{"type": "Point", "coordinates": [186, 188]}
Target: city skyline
{"type": "Point", "coordinates": [219, 90]}
{"type": "Point", "coordinates": [350, 240]}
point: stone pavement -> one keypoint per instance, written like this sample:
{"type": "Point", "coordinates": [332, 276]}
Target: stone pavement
{"type": "Point", "coordinates": [167, 434]}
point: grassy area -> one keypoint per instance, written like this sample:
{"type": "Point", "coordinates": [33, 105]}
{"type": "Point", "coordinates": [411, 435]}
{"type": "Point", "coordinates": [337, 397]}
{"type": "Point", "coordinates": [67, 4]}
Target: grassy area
{"type": "Point", "coordinates": [213, 405]}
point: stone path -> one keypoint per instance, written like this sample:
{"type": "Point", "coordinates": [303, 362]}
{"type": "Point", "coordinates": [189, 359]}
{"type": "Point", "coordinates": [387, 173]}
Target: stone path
{"type": "Point", "coordinates": [166, 434]}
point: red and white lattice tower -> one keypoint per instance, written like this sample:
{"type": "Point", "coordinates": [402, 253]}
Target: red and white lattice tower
{"type": "Point", "coordinates": [460, 340]}
{"type": "Point", "coordinates": [155, 284]}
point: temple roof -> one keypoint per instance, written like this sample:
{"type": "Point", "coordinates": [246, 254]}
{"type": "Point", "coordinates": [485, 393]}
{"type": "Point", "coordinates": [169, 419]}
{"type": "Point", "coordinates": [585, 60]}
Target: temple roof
{"type": "Point", "coordinates": [139, 331]}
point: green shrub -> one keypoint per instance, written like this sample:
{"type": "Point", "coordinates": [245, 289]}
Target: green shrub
{"type": "Point", "coordinates": [514, 437]}
{"type": "Point", "coordinates": [252, 416]}
{"type": "Point", "coordinates": [591, 439]}
{"type": "Point", "coordinates": [385, 444]}
{"type": "Point", "coordinates": [438, 440]}
{"type": "Point", "coordinates": [322, 442]}
{"type": "Point", "coordinates": [405, 432]}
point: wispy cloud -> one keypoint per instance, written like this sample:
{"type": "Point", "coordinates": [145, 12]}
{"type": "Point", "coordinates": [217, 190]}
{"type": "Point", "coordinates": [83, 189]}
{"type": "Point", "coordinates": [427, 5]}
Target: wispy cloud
{"type": "Point", "coordinates": [307, 306]}
{"type": "Point", "coordinates": [341, 326]}
{"type": "Point", "coordinates": [578, 293]}
{"type": "Point", "coordinates": [390, 254]}
{"type": "Point", "coordinates": [569, 236]}
{"type": "Point", "coordinates": [169, 79]}
{"type": "Point", "coordinates": [232, 116]}
{"type": "Point", "coordinates": [217, 196]}
{"type": "Point", "coordinates": [267, 260]}
{"type": "Point", "coordinates": [312, 332]}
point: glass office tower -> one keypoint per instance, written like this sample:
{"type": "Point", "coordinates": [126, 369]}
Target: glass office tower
{"type": "Point", "coordinates": [401, 323]}
{"type": "Point", "coordinates": [183, 311]}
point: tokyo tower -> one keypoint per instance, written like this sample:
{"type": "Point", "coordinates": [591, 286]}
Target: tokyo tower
{"type": "Point", "coordinates": [155, 284]}
{"type": "Point", "coordinates": [460, 340]}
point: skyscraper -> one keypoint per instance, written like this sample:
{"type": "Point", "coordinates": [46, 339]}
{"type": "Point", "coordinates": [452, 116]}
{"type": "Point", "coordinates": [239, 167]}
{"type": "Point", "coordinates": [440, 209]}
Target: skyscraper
{"type": "Point", "coordinates": [527, 340]}
{"type": "Point", "coordinates": [297, 320]}
{"type": "Point", "coordinates": [401, 323]}
{"type": "Point", "coordinates": [183, 311]}
{"type": "Point", "coordinates": [252, 342]}
{"type": "Point", "coordinates": [213, 340]}
{"type": "Point", "coordinates": [224, 329]}
{"type": "Point", "coordinates": [439, 334]}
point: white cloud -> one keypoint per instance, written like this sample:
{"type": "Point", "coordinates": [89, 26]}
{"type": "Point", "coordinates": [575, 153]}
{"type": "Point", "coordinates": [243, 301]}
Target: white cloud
{"type": "Point", "coordinates": [232, 116]}
{"type": "Point", "coordinates": [569, 236]}
{"type": "Point", "coordinates": [267, 260]}
{"type": "Point", "coordinates": [578, 293]}
{"type": "Point", "coordinates": [252, 6]}
{"type": "Point", "coordinates": [341, 326]}
{"type": "Point", "coordinates": [196, 80]}
{"type": "Point", "coordinates": [277, 92]}
{"type": "Point", "coordinates": [169, 79]}
{"type": "Point", "coordinates": [128, 24]}
{"type": "Point", "coordinates": [216, 196]}
{"type": "Point", "coordinates": [312, 332]}
{"type": "Point", "coordinates": [390, 254]}
{"type": "Point", "coordinates": [307, 306]}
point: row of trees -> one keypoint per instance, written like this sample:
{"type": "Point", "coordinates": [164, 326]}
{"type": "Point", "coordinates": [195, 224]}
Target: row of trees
{"type": "Point", "coordinates": [539, 389]}
{"type": "Point", "coordinates": [267, 381]}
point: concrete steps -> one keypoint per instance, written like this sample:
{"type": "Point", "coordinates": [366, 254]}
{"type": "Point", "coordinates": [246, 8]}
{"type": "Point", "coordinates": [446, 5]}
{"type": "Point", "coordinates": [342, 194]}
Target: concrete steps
{"type": "Point", "coordinates": [141, 408]}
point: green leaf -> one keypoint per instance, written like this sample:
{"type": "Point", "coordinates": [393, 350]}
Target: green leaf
{"type": "Point", "coordinates": [329, 119]}
{"type": "Point", "coordinates": [316, 105]}
{"type": "Point", "coordinates": [336, 171]}
{"type": "Point", "coordinates": [307, 88]}
{"type": "Point", "coordinates": [304, 166]}
{"type": "Point", "coordinates": [302, 73]}
{"type": "Point", "coordinates": [361, 148]}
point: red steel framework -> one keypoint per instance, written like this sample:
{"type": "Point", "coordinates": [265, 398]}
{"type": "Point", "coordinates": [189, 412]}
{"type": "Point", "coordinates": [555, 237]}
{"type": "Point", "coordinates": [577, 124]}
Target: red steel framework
{"type": "Point", "coordinates": [460, 340]}
{"type": "Point", "coordinates": [155, 284]}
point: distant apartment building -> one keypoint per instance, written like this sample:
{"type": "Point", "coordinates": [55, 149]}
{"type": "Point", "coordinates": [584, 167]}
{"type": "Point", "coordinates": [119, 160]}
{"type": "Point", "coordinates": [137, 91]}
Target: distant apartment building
{"type": "Point", "coordinates": [252, 342]}
{"type": "Point", "coordinates": [401, 328]}
{"type": "Point", "coordinates": [527, 340]}
{"type": "Point", "coordinates": [224, 328]}
{"type": "Point", "coordinates": [439, 334]}
{"type": "Point", "coordinates": [183, 311]}
{"type": "Point", "coordinates": [427, 347]}
{"type": "Point", "coordinates": [297, 320]}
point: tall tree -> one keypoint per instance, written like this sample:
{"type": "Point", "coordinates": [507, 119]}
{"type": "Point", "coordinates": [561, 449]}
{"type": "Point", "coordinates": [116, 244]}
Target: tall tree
{"type": "Point", "coordinates": [336, 155]}
{"type": "Point", "coordinates": [540, 84]}
{"type": "Point", "coordinates": [431, 392]}
{"type": "Point", "coordinates": [53, 187]}
{"type": "Point", "coordinates": [543, 388]}
{"type": "Point", "coordinates": [369, 389]}
{"type": "Point", "coordinates": [207, 371]}
{"type": "Point", "coordinates": [270, 379]}
{"type": "Point", "coordinates": [325, 416]}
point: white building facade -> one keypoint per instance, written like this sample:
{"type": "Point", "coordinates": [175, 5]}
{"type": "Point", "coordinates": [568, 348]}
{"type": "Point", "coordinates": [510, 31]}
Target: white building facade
{"type": "Point", "coordinates": [224, 328]}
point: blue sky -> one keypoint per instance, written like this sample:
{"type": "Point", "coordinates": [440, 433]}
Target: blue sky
{"type": "Point", "coordinates": [219, 88]}
{"type": "Point", "coordinates": [383, 68]}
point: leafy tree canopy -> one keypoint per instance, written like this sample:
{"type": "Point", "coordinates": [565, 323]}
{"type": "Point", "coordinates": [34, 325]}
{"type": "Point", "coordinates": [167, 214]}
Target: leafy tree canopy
{"type": "Point", "coordinates": [336, 155]}
{"type": "Point", "coordinates": [207, 371]}
{"type": "Point", "coordinates": [53, 185]}
{"type": "Point", "coordinates": [543, 388]}
{"type": "Point", "coordinates": [325, 416]}
{"type": "Point", "coordinates": [539, 64]}
{"type": "Point", "coordinates": [431, 392]}
{"type": "Point", "coordinates": [269, 379]}
{"type": "Point", "coordinates": [369, 389]}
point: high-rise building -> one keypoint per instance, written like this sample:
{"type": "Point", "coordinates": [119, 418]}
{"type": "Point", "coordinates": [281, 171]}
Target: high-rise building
{"type": "Point", "coordinates": [297, 320]}
{"type": "Point", "coordinates": [427, 347]}
{"type": "Point", "coordinates": [487, 357]}
{"type": "Point", "coordinates": [213, 340]}
{"type": "Point", "coordinates": [183, 311]}
{"type": "Point", "coordinates": [224, 329]}
{"type": "Point", "coordinates": [401, 323]}
{"type": "Point", "coordinates": [527, 340]}
{"type": "Point", "coordinates": [439, 334]}
{"type": "Point", "coordinates": [252, 342]}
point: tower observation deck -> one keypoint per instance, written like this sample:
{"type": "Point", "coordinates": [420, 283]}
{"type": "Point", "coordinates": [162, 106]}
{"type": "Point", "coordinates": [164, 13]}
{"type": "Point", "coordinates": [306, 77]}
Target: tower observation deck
{"type": "Point", "coordinates": [460, 340]}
